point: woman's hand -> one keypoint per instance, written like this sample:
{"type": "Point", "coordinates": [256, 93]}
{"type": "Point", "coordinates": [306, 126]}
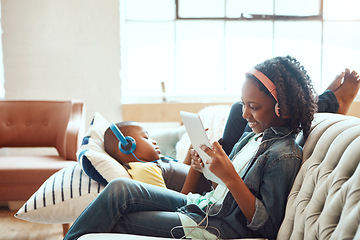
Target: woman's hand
{"type": "Point", "coordinates": [220, 164]}
{"type": "Point", "coordinates": [223, 168]}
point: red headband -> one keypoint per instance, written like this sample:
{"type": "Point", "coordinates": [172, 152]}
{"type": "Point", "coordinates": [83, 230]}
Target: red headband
{"type": "Point", "coordinates": [266, 81]}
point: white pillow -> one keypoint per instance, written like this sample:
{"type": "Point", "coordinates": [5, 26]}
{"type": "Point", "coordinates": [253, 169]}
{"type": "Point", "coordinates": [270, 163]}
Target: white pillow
{"type": "Point", "coordinates": [61, 198]}
{"type": "Point", "coordinates": [97, 163]}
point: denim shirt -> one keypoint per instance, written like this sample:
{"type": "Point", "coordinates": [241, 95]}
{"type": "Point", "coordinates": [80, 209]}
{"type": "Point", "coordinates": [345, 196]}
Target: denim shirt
{"type": "Point", "coordinates": [269, 176]}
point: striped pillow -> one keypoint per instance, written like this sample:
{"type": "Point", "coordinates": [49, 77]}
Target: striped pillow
{"type": "Point", "coordinates": [61, 198]}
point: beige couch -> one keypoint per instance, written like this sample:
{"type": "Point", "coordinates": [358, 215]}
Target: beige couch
{"type": "Point", "coordinates": [324, 202]}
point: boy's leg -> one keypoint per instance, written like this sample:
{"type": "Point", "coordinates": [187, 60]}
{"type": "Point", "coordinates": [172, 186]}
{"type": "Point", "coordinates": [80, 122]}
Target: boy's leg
{"type": "Point", "coordinates": [234, 127]}
{"type": "Point", "coordinates": [347, 91]}
{"type": "Point", "coordinates": [328, 102]}
{"type": "Point", "coordinates": [121, 197]}
{"type": "Point", "coordinates": [343, 91]}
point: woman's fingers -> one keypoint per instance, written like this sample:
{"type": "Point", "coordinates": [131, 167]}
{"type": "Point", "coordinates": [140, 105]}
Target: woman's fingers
{"type": "Point", "coordinates": [207, 150]}
{"type": "Point", "coordinates": [217, 147]}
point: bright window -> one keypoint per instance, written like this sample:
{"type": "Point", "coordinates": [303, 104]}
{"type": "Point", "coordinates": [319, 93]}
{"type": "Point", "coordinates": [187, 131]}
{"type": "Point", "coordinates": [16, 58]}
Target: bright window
{"type": "Point", "coordinates": [2, 77]}
{"type": "Point", "coordinates": [201, 49]}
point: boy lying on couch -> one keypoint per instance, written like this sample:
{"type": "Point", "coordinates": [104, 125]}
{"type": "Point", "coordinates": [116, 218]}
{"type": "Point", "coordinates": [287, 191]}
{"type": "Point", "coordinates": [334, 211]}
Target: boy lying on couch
{"type": "Point", "coordinates": [144, 162]}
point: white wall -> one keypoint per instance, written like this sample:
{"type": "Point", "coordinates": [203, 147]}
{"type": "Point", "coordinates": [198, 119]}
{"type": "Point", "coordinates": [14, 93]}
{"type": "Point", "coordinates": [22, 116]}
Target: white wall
{"type": "Point", "coordinates": [68, 49]}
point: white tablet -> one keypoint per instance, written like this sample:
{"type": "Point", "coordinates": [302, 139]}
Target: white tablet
{"type": "Point", "coordinates": [198, 137]}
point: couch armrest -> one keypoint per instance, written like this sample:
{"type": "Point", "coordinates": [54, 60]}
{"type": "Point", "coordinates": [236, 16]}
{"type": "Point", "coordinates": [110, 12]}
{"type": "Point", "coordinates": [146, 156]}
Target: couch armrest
{"type": "Point", "coordinates": [74, 131]}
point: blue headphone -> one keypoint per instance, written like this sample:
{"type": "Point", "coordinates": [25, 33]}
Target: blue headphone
{"type": "Point", "coordinates": [127, 144]}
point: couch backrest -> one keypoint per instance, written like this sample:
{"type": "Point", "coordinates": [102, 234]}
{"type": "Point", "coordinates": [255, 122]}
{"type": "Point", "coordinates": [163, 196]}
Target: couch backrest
{"type": "Point", "coordinates": [42, 124]}
{"type": "Point", "coordinates": [324, 202]}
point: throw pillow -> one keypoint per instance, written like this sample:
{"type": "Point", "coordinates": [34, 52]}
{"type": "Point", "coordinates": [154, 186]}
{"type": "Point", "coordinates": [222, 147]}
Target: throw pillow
{"type": "Point", "coordinates": [61, 198]}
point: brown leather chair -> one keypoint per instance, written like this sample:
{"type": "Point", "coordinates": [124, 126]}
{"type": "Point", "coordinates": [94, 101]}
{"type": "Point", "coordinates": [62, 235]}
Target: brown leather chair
{"type": "Point", "coordinates": [54, 124]}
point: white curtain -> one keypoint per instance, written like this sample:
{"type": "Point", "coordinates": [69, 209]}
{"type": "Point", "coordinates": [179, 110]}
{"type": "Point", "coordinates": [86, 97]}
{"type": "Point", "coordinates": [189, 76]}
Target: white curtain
{"type": "Point", "coordinates": [2, 89]}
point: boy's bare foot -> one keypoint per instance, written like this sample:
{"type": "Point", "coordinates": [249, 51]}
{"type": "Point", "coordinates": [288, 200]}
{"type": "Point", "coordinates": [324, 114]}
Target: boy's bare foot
{"type": "Point", "coordinates": [347, 91]}
{"type": "Point", "coordinates": [336, 83]}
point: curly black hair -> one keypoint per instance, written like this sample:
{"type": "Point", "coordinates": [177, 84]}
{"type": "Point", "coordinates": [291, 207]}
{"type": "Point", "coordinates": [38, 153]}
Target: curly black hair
{"type": "Point", "coordinates": [295, 92]}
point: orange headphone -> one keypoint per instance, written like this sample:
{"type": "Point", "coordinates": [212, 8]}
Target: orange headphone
{"type": "Point", "coordinates": [269, 85]}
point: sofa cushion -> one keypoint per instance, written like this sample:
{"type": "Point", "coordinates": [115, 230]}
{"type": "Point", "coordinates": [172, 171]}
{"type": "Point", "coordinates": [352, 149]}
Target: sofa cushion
{"type": "Point", "coordinates": [21, 176]}
{"type": "Point", "coordinates": [61, 198]}
{"type": "Point", "coordinates": [167, 138]}
{"type": "Point", "coordinates": [114, 236]}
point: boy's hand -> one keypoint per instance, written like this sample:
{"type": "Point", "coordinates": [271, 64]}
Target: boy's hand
{"type": "Point", "coordinates": [196, 161]}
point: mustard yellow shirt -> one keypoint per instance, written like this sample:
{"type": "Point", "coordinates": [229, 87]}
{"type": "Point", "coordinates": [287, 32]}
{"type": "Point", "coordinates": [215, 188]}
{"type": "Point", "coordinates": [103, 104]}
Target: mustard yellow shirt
{"type": "Point", "coordinates": [147, 172]}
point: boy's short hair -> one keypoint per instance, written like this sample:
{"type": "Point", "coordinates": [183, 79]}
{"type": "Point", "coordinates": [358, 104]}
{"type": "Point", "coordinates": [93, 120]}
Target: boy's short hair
{"type": "Point", "coordinates": [126, 126]}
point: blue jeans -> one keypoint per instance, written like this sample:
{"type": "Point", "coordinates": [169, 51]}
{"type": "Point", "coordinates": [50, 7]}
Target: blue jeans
{"type": "Point", "coordinates": [128, 206]}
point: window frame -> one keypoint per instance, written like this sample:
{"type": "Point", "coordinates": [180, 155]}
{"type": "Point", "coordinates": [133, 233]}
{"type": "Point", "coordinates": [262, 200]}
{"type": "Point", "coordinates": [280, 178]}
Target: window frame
{"type": "Point", "coordinates": [255, 17]}
{"type": "Point", "coordinates": [252, 17]}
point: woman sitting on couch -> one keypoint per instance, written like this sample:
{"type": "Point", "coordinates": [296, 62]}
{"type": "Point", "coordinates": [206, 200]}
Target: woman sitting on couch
{"type": "Point", "coordinates": [278, 101]}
